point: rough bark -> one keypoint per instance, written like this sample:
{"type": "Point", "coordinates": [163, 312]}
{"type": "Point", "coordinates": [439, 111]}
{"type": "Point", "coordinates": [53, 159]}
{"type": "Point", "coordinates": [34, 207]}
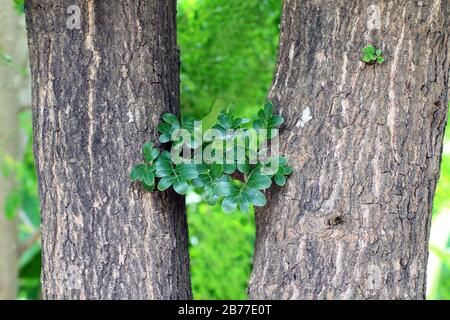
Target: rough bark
{"type": "Point", "coordinates": [12, 85]}
{"type": "Point", "coordinates": [98, 93]}
{"type": "Point", "coordinates": [365, 142]}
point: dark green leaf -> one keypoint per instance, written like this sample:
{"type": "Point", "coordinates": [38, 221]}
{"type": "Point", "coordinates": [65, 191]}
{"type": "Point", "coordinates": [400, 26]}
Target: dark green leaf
{"type": "Point", "coordinates": [280, 179]}
{"type": "Point", "coordinates": [163, 165]}
{"type": "Point", "coordinates": [180, 187]}
{"type": "Point", "coordinates": [165, 183]}
{"type": "Point", "coordinates": [275, 121]}
{"type": "Point", "coordinates": [169, 118]}
{"type": "Point", "coordinates": [287, 170]}
{"type": "Point", "coordinates": [258, 181]}
{"type": "Point", "coordinates": [147, 187]}
{"type": "Point", "coordinates": [165, 128]}
{"type": "Point", "coordinates": [149, 178]}
{"type": "Point", "coordinates": [244, 168]}
{"type": "Point", "coordinates": [138, 173]}
{"type": "Point", "coordinates": [258, 124]}
{"type": "Point", "coordinates": [149, 152]}
{"type": "Point", "coordinates": [268, 109]}
{"type": "Point", "coordinates": [216, 170]}
{"type": "Point", "coordinates": [186, 171]}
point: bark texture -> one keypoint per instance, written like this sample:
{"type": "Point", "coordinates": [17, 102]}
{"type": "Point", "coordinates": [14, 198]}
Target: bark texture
{"type": "Point", "coordinates": [365, 142]}
{"type": "Point", "coordinates": [12, 87]}
{"type": "Point", "coordinates": [95, 91]}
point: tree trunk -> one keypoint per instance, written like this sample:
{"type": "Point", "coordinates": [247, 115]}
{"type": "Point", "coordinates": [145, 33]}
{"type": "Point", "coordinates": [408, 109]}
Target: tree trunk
{"type": "Point", "coordinates": [13, 44]}
{"type": "Point", "coordinates": [98, 93]}
{"type": "Point", "coordinates": [365, 142]}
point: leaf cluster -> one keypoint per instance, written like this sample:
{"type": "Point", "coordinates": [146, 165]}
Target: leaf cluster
{"type": "Point", "coordinates": [236, 184]}
{"type": "Point", "coordinates": [372, 55]}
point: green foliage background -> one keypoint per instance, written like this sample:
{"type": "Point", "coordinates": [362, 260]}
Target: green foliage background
{"type": "Point", "coordinates": [228, 52]}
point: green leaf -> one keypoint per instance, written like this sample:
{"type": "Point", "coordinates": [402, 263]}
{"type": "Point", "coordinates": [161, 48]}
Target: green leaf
{"type": "Point", "coordinates": [180, 187]}
{"type": "Point", "coordinates": [211, 198]}
{"type": "Point", "coordinates": [149, 152]}
{"type": "Point", "coordinates": [170, 118]}
{"type": "Point", "coordinates": [258, 124]}
{"type": "Point", "coordinates": [229, 168]}
{"type": "Point", "coordinates": [165, 183]}
{"type": "Point", "coordinates": [224, 121]}
{"type": "Point", "coordinates": [280, 179]}
{"type": "Point", "coordinates": [165, 138]}
{"type": "Point", "coordinates": [149, 178]}
{"type": "Point", "coordinates": [245, 202]}
{"type": "Point", "coordinates": [229, 205]}
{"type": "Point", "coordinates": [149, 188]}
{"type": "Point", "coordinates": [258, 181]}
{"type": "Point", "coordinates": [163, 165]}
{"type": "Point", "coordinates": [378, 52]}
{"type": "Point", "coordinates": [275, 121]}
{"type": "Point", "coordinates": [282, 161]}
{"type": "Point", "coordinates": [165, 128]}
{"type": "Point", "coordinates": [186, 171]}
{"type": "Point", "coordinates": [380, 60]}
{"type": "Point", "coordinates": [216, 170]}
{"type": "Point", "coordinates": [210, 119]}
{"type": "Point", "coordinates": [138, 173]}
{"type": "Point", "coordinates": [366, 58]}
{"type": "Point", "coordinates": [238, 122]}
{"type": "Point", "coordinates": [268, 109]}
{"type": "Point", "coordinates": [258, 198]}
{"type": "Point", "coordinates": [369, 49]}
{"type": "Point", "coordinates": [223, 186]}
{"type": "Point", "coordinates": [287, 170]}
{"type": "Point", "coordinates": [244, 168]}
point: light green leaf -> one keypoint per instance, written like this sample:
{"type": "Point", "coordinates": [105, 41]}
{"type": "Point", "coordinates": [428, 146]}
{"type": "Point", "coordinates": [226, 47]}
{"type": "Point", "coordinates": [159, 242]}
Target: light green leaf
{"type": "Point", "coordinates": [210, 119]}
{"type": "Point", "coordinates": [223, 186]}
{"type": "Point", "coordinates": [369, 49]}
{"type": "Point", "coordinates": [229, 204]}
{"type": "Point", "coordinates": [165, 138]}
{"type": "Point", "coordinates": [258, 198]}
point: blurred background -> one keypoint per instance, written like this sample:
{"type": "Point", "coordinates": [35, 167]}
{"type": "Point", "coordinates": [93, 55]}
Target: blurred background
{"type": "Point", "coordinates": [228, 51]}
